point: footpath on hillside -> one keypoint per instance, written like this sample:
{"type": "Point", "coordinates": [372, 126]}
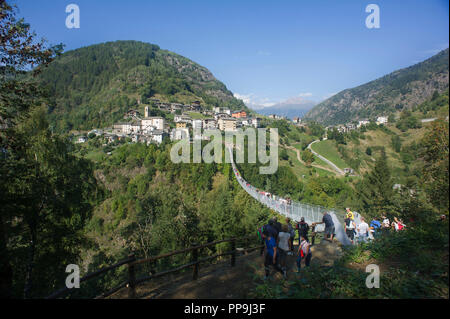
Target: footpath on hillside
{"type": "Point", "coordinates": [221, 281]}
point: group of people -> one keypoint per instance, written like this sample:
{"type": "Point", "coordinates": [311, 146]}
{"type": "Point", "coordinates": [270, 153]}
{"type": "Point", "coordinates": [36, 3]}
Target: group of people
{"type": "Point", "coordinates": [364, 232]}
{"type": "Point", "coordinates": [279, 238]}
{"type": "Point", "coordinates": [279, 243]}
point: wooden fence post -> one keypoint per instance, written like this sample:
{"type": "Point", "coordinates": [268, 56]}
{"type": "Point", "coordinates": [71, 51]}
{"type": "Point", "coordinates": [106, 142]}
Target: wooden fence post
{"type": "Point", "coordinates": [246, 245]}
{"type": "Point", "coordinates": [131, 277]}
{"type": "Point", "coordinates": [262, 247]}
{"type": "Point", "coordinates": [233, 252]}
{"type": "Point", "coordinates": [195, 259]}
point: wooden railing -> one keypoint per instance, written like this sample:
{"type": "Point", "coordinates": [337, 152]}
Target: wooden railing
{"type": "Point", "coordinates": [132, 262]}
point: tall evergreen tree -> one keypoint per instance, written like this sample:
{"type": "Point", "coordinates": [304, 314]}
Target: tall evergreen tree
{"type": "Point", "coordinates": [376, 190]}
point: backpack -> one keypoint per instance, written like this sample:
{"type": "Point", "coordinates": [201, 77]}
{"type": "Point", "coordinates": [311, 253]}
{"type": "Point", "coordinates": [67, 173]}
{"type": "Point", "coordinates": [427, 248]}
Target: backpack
{"type": "Point", "coordinates": [302, 254]}
{"type": "Point", "coordinates": [260, 232]}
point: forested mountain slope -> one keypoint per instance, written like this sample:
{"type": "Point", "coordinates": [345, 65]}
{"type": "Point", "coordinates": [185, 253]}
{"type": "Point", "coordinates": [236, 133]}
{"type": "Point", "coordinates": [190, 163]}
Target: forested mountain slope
{"type": "Point", "coordinates": [95, 85]}
{"type": "Point", "coordinates": [402, 89]}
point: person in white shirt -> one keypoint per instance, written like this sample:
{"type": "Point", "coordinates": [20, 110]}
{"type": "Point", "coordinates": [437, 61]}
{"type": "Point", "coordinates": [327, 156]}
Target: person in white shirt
{"type": "Point", "coordinates": [386, 222]}
{"type": "Point", "coordinates": [363, 230]}
{"type": "Point", "coordinates": [284, 245]}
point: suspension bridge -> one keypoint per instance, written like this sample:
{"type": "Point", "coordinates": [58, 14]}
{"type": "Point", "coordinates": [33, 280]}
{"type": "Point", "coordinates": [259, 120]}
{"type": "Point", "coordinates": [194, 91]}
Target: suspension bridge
{"type": "Point", "coordinates": [292, 209]}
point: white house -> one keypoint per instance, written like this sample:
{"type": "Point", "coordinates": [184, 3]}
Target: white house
{"type": "Point", "coordinates": [218, 116]}
{"type": "Point", "coordinates": [157, 136]}
{"type": "Point", "coordinates": [122, 128]}
{"type": "Point", "coordinates": [227, 124]}
{"type": "Point", "coordinates": [255, 122]}
{"type": "Point", "coordinates": [182, 118]}
{"type": "Point", "coordinates": [135, 127]}
{"type": "Point", "coordinates": [81, 139]}
{"type": "Point", "coordinates": [362, 122]}
{"type": "Point", "coordinates": [245, 121]}
{"type": "Point", "coordinates": [209, 124]}
{"type": "Point", "coordinates": [154, 121]}
{"type": "Point", "coordinates": [382, 120]}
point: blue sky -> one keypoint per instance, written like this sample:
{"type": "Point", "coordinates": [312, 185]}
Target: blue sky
{"type": "Point", "coordinates": [264, 51]}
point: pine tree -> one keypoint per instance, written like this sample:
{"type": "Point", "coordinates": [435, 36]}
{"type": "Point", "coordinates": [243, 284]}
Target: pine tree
{"type": "Point", "coordinates": [376, 190]}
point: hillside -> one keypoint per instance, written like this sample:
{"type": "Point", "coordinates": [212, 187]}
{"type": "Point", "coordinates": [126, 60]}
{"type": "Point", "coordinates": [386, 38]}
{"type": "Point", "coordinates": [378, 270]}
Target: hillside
{"type": "Point", "coordinates": [402, 89]}
{"type": "Point", "coordinates": [94, 86]}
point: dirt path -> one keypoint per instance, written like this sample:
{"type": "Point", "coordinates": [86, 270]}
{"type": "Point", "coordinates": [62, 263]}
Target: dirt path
{"type": "Point", "coordinates": [221, 281]}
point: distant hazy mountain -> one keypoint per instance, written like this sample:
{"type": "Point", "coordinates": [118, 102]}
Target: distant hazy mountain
{"type": "Point", "coordinates": [401, 89]}
{"type": "Point", "coordinates": [294, 107]}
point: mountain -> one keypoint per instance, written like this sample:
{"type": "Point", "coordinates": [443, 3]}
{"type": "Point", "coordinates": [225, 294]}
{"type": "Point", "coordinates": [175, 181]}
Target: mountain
{"type": "Point", "coordinates": [294, 107]}
{"type": "Point", "coordinates": [94, 86]}
{"type": "Point", "coordinates": [401, 89]}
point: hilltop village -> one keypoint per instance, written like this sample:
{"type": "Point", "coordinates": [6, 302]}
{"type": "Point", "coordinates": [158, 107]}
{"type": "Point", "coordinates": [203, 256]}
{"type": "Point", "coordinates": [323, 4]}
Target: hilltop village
{"type": "Point", "coordinates": [181, 121]}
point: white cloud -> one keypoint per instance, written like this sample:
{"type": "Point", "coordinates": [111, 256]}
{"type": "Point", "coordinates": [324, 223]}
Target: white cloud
{"type": "Point", "coordinates": [253, 101]}
{"type": "Point", "coordinates": [256, 102]}
{"type": "Point", "coordinates": [244, 97]}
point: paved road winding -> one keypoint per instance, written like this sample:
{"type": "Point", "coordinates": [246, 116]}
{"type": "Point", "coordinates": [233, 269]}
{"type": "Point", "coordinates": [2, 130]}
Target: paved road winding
{"type": "Point", "coordinates": [337, 169]}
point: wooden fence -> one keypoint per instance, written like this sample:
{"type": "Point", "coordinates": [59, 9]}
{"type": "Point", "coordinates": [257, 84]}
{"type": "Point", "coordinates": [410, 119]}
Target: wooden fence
{"type": "Point", "coordinates": [132, 262]}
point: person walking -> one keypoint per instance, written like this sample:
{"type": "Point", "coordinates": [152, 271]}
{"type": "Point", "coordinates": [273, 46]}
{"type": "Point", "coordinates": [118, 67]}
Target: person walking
{"type": "Point", "coordinates": [270, 254]}
{"type": "Point", "coordinates": [350, 213]}
{"type": "Point", "coordinates": [302, 228]}
{"type": "Point", "coordinates": [291, 232]}
{"type": "Point", "coordinates": [270, 227]}
{"type": "Point", "coordinates": [313, 234]}
{"type": "Point", "coordinates": [304, 253]}
{"type": "Point", "coordinates": [350, 228]}
{"type": "Point", "coordinates": [276, 224]}
{"type": "Point", "coordinates": [284, 247]}
{"type": "Point", "coordinates": [363, 231]}
{"type": "Point", "coordinates": [385, 224]}
{"type": "Point", "coordinates": [375, 227]}
{"type": "Point", "coordinates": [329, 226]}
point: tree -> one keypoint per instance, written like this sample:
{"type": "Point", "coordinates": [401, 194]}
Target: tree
{"type": "Point", "coordinates": [369, 151]}
{"type": "Point", "coordinates": [435, 154]}
{"type": "Point", "coordinates": [284, 155]}
{"type": "Point", "coordinates": [376, 189]}
{"type": "Point", "coordinates": [435, 95]}
{"type": "Point", "coordinates": [45, 188]}
{"type": "Point", "coordinates": [307, 157]}
{"type": "Point", "coordinates": [396, 143]}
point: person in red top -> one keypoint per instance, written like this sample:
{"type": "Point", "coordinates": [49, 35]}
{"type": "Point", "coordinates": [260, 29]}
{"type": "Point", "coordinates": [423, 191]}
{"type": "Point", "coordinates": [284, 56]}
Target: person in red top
{"type": "Point", "coordinates": [304, 253]}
